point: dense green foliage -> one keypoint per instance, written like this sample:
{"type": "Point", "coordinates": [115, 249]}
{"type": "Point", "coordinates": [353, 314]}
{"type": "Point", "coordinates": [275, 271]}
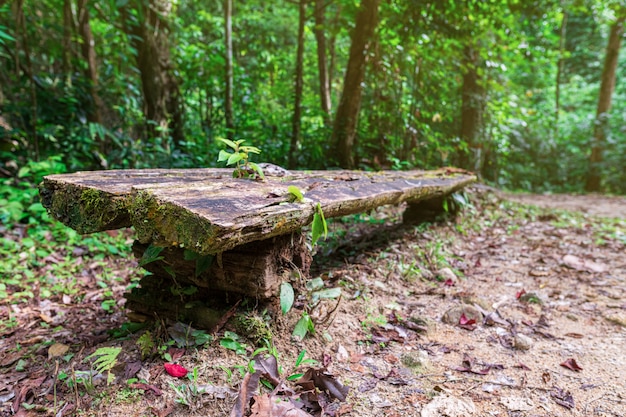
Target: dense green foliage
{"type": "Point", "coordinates": [412, 105]}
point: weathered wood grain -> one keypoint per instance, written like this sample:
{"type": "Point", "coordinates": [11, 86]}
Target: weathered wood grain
{"type": "Point", "coordinates": [208, 211]}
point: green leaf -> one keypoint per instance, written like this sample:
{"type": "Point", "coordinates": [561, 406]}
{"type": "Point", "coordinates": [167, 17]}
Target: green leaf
{"type": "Point", "coordinates": [303, 326]}
{"type": "Point", "coordinates": [287, 297]}
{"type": "Point", "coordinates": [151, 254]}
{"type": "Point", "coordinates": [319, 227]}
{"type": "Point", "coordinates": [105, 358]}
{"type": "Point", "coordinates": [315, 284]}
{"type": "Point", "coordinates": [329, 293]}
{"type": "Point", "coordinates": [234, 158]}
{"type": "Point", "coordinates": [300, 357]}
{"type": "Point", "coordinates": [250, 149]}
{"type": "Point", "coordinates": [257, 169]}
{"type": "Point", "coordinates": [229, 143]}
{"type": "Point", "coordinates": [223, 156]}
{"type": "Point", "coordinates": [203, 263]}
{"type": "Point", "coordinates": [296, 192]}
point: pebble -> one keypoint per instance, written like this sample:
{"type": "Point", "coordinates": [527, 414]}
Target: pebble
{"type": "Point", "coordinates": [522, 342]}
{"type": "Point", "coordinates": [453, 315]}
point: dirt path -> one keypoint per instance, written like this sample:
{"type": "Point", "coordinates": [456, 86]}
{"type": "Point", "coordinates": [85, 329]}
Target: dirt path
{"type": "Point", "coordinates": [592, 204]}
{"type": "Point", "coordinates": [547, 290]}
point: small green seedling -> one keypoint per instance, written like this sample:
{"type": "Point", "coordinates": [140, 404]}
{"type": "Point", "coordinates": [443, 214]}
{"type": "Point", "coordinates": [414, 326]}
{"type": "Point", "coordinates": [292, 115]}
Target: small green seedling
{"type": "Point", "coordinates": [239, 157]}
{"type": "Point", "coordinates": [296, 193]}
{"type": "Point", "coordinates": [319, 227]}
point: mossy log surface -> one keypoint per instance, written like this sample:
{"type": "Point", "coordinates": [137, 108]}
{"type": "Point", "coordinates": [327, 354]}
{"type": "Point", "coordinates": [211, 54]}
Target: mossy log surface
{"type": "Point", "coordinates": [209, 212]}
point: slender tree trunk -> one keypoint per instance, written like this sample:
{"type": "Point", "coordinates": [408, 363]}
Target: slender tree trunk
{"type": "Point", "coordinates": [471, 109]}
{"type": "Point", "coordinates": [607, 87]}
{"type": "Point", "coordinates": [297, 110]}
{"type": "Point", "coordinates": [559, 72]}
{"type": "Point", "coordinates": [344, 129]}
{"type": "Point", "coordinates": [228, 39]}
{"type": "Point", "coordinates": [148, 33]}
{"type": "Point", "coordinates": [94, 114]}
{"type": "Point", "coordinates": [322, 66]}
{"type": "Point", "coordinates": [68, 30]}
{"type": "Point", "coordinates": [332, 41]}
{"type": "Point", "coordinates": [20, 23]}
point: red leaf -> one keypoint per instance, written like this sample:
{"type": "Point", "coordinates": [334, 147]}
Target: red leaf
{"type": "Point", "coordinates": [449, 282]}
{"type": "Point", "coordinates": [571, 364]}
{"type": "Point", "coordinates": [520, 293]}
{"type": "Point", "coordinates": [175, 370]}
{"type": "Point", "coordinates": [465, 323]}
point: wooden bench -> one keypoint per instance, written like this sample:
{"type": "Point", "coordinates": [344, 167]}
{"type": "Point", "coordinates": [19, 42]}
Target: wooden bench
{"type": "Point", "coordinates": [225, 234]}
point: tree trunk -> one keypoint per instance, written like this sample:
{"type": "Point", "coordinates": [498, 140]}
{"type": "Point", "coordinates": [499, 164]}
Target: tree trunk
{"type": "Point", "coordinates": [471, 109]}
{"type": "Point", "coordinates": [344, 129]}
{"type": "Point", "coordinates": [322, 66]}
{"type": "Point", "coordinates": [20, 24]}
{"type": "Point", "coordinates": [607, 87]}
{"type": "Point", "coordinates": [149, 36]}
{"type": "Point", "coordinates": [228, 39]}
{"type": "Point", "coordinates": [88, 51]}
{"type": "Point", "coordinates": [68, 30]}
{"type": "Point", "coordinates": [559, 72]}
{"type": "Point", "coordinates": [297, 110]}
{"type": "Point", "coordinates": [332, 41]}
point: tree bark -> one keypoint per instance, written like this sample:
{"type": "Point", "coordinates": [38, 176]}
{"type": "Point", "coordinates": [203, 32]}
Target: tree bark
{"type": "Point", "coordinates": [344, 129]}
{"type": "Point", "coordinates": [471, 109]}
{"type": "Point", "coordinates": [297, 108]}
{"type": "Point", "coordinates": [68, 30]}
{"type": "Point", "coordinates": [607, 87]}
{"type": "Point", "coordinates": [88, 51]}
{"type": "Point", "coordinates": [228, 39]}
{"type": "Point", "coordinates": [148, 31]}
{"type": "Point", "coordinates": [559, 72]}
{"type": "Point", "coordinates": [20, 32]}
{"type": "Point", "coordinates": [322, 66]}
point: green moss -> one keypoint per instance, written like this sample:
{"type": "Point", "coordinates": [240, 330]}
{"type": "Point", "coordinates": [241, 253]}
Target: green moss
{"type": "Point", "coordinates": [167, 224]}
{"type": "Point", "coordinates": [254, 326]}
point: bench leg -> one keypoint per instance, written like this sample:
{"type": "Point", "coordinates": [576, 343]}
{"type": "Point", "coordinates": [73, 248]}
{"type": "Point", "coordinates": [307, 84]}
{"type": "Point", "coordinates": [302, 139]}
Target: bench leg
{"type": "Point", "coordinates": [182, 279]}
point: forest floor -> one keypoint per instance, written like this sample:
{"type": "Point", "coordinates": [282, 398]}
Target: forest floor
{"type": "Point", "coordinates": [507, 310]}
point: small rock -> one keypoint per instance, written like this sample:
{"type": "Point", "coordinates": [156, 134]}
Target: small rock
{"type": "Point", "coordinates": [447, 274]}
{"type": "Point", "coordinates": [619, 319]}
{"type": "Point", "coordinates": [342, 354]}
{"type": "Point", "coordinates": [517, 403]}
{"type": "Point", "coordinates": [445, 405]}
{"type": "Point", "coordinates": [480, 302]}
{"type": "Point", "coordinates": [453, 315]}
{"type": "Point", "coordinates": [416, 360]}
{"type": "Point", "coordinates": [522, 342]}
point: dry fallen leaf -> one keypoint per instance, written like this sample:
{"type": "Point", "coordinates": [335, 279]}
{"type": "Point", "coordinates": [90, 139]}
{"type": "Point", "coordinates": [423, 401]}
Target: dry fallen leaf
{"type": "Point", "coordinates": [571, 364]}
{"type": "Point", "coordinates": [57, 349]}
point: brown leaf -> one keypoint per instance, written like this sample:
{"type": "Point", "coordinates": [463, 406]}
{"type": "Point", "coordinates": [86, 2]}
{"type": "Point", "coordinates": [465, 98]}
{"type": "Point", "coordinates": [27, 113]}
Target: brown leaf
{"type": "Point", "coordinates": [272, 405]}
{"type": "Point", "coordinates": [248, 387]}
{"type": "Point", "coordinates": [323, 382]}
{"type": "Point", "coordinates": [562, 398]}
{"type": "Point", "coordinates": [572, 365]}
{"type": "Point", "coordinates": [147, 387]}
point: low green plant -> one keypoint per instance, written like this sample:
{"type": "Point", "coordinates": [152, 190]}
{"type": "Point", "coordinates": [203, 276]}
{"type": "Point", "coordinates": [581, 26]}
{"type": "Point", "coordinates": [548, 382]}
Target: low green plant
{"type": "Point", "coordinates": [104, 360]}
{"type": "Point", "coordinates": [231, 341]}
{"type": "Point", "coordinates": [189, 394]}
{"type": "Point", "coordinates": [239, 157]}
{"type": "Point", "coordinates": [315, 293]}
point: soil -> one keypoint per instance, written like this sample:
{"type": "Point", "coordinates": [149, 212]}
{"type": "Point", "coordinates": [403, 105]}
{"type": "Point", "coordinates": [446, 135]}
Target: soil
{"type": "Point", "coordinates": [506, 310]}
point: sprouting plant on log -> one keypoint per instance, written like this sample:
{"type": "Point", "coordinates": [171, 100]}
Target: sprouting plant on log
{"type": "Point", "coordinates": [239, 157]}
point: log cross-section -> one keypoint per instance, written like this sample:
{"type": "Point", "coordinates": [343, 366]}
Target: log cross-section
{"type": "Point", "coordinates": [208, 211]}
